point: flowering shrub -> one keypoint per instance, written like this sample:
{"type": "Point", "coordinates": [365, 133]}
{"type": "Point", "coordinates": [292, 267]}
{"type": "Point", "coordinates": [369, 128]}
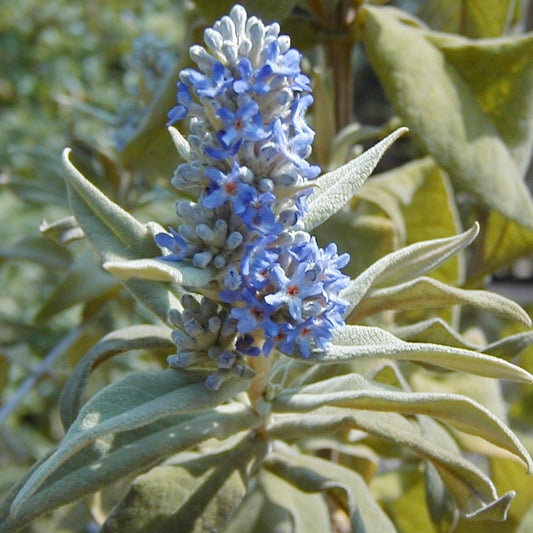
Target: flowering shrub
{"type": "Point", "coordinates": [285, 372]}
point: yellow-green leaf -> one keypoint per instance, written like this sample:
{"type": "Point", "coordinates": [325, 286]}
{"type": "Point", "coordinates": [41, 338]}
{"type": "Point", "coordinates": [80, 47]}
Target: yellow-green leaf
{"type": "Point", "coordinates": [444, 113]}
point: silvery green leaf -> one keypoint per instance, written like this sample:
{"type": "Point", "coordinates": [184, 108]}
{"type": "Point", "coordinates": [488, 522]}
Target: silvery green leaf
{"type": "Point", "coordinates": [334, 189]}
{"type": "Point", "coordinates": [407, 263]}
{"type": "Point", "coordinates": [344, 486]}
{"type": "Point", "coordinates": [155, 269]}
{"type": "Point", "coordinates": [117, 236]}
{"type": "Point", "coordinates": [145, 402]}
{"type": "Point", "coordinates": [194, 495]}
{"type": "Point", "coordinates": [353, 343]}
{"type": "Point", "coordinates": [440, 504]}
{"type": "Point", "coordinates": [429, 293]}
{"type": "Point", "coordinates": [308, 511]}
{"type": "Point", "coordinates": [435, 331]}
{"type": "Point", "coordinates": [471, 488]}
{"type": "Point", "coordinates": [511, 346]}
{"type": "Point", "coordinates": [137, 337]}
{"type": "Point", "coordinates": [355, 392]}
{"type": "Point", "coordinates": [438, 84]}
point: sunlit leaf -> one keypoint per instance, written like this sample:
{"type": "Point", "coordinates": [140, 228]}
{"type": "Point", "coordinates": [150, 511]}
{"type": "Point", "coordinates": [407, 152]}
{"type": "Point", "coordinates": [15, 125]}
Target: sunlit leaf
{"type": "Point", "coordinates": [444, 112]}
{"type": "Point", "coordinates": [472, 490]}
{"type": "Point", "coordinates": [344, 486]}
{"type": "Point", "coordinates": [407, 263]}
{"type": "Point", "coordinates": [353, 391]}
{"type": "Point", "coordinates": [307, 510]}
{"type": "Point", "coordinates": [353, 343]}
{"type": "Point", "coordinates": [334, 189]}
{"type": "Point", "coordinates": [471, 18]}
{"type": "Point", "coordinates": [428, 293]}
{"type": "Point", "coordinates": [427, 203]}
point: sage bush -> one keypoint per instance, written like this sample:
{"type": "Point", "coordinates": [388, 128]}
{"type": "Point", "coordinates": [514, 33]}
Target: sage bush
{"type": "Point", "coordinates": [267, 338]}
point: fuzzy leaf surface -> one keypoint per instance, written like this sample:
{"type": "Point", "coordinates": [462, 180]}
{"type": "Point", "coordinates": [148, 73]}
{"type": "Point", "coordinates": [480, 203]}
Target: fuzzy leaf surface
{"type": "Point", "coordinates": [192, 496]}
{"type": "Point", "coordinates": [472, 489]}
{"type": "Point", "coordinates": [138, 406]}
{"type": "Point", "coordinates": [117, 236]}
{"type": "Point", "coordinates": [346, 487]}
{"type": "Point", "coordinates": [436, 97]}
{"type": "Point", "coordinates": [353, 343]}
{"type": "Point", "coordinates": [355, 392]}
{"type": "Point", "coordinates": [428, 293]}
{"type": "Point", "coordinates": [145, 337]}
{"type": "Point", "coordinates": [334, 189]}
{"type": "Point", "coordinates": [406, 264]}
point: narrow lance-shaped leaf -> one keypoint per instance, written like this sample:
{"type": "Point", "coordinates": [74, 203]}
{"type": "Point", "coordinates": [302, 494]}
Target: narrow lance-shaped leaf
{"type": "Point", "coordinates": [117, 236]}
{"type": "Point", "coordinates": [308, 511]}
{"type": "Point", "coordinates": [146, 337]}
{"type": "Point", "coordinates": [407, 263]}
{"type": "Point", "coordinates": [472, 489]}
{"type": "Point", "coordinates": [428, 293]}
{"type": "Point", "coordinates": [354, 391]}
{"type": "Point", "coordinates": [353, 343]}
{"type": "Point", "coordinates": [126, 454]}
{"type": "Point", "coordinates": [159, 270]}
{"type": "Point", "coordinates": [136, 401]}
{"type": "Point", "coordinates": [337, 187]}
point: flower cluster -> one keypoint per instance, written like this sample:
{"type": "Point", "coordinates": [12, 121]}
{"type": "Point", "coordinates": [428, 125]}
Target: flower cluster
{"type": "Point", "coordinates": [249, 176]}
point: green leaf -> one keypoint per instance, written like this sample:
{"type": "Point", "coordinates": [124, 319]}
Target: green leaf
{"type": "Point", "coordinates": [345, 487]}
{"type": "Point", "coordinates": [160, 270]}
{"type": "Point", "coordinates": [472, 490]}
{"type": "Point", "coordinates": [439, 501]}
{"type": "Point", "coordinates": [145, 337]}
{"type": "Point", "coordinates": [112, 230]}
{"type": "Point", "coordinates": [472, 18]}
{"type": "Point", "coordinates": [436, 331]}
{"type": "Point", "coordinates": [434, 96]}
{"type": "Point", "coordinates": [353, 343]}
{"type": "Point", "coordinates": [308, 511]}
{"type": "Point", "coordinates": [503, 241]}
{"type": "Point", "coordinates": [257, 514]}
{"type": "Point", "coordinates": [355, 392]}
{"type": "Point", "coordinates": [427, 204]}
{"type": "Point", "coordinates": [428, 293]}
{"type": "Point", "coordinates": [191, 496]}
{"type": "Point", "coordinates": [511, 346]}
{"type": "Point", "coordinates": [117, 236]}
{"type": "Point", "coordinates": [499, 72]}
{"type": "Point", "coordinates": [334, 189]}
{"type": "Point", "coordinates": [145, 402]}
{"type": "Point", "coordinates": [407, 263]}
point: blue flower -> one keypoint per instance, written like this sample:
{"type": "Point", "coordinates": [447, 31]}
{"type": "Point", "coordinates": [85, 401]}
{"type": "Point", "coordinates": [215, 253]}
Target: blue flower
{"type": "Point", "coordinates": [252, 80]}
{"type": "Point", "coordinates": [243, 124]}
{"type": "Point", "coordinates": [173, 242]}
{"type": "Point", "coordinates": [250, 142]}
{"type": "Point", "coordinates": [228, 188]}
{"type": "Point", "coordinates": [210, 86]}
